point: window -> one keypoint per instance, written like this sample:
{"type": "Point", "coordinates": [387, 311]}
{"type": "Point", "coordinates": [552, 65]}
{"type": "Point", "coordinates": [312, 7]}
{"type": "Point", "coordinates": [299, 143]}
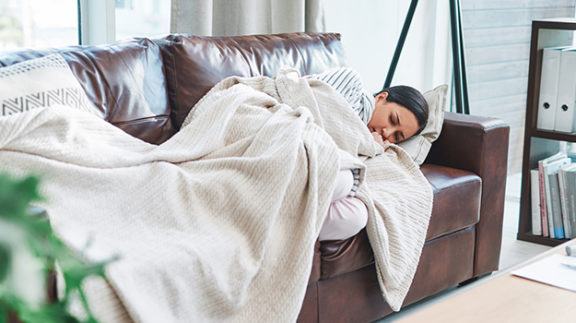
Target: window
{"type": "Point", "coordinates": [137, 18]}
{"type": "Point", "coordinates": [104, 21]}
{"type": "Point", "coordinates": [38, 23]}
{"type": "Point", "coordinates": [124, 4]}
{"type": "Point", "coordinates": [54, 23]}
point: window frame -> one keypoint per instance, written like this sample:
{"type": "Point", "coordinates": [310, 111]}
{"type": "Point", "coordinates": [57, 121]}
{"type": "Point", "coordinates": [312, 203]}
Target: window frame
{"type": "Point", "coordinates": [92, 15]}
{"type": "Point", "coordinates": [97, 21]}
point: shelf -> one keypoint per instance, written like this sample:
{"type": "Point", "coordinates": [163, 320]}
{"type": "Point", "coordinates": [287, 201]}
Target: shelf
{"type": "Point", "coordinates": [556, 23]}
{"type": "Point", "coordinates": [540, 143]}
{"type": "Point", "coordinates": [554, 135]}
{"type": "Point", "coordinates": [540, 239]}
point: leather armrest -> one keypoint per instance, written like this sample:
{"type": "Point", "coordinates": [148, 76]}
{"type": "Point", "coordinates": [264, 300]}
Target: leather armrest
{"type": "Point", "coordinates": [479, 145]}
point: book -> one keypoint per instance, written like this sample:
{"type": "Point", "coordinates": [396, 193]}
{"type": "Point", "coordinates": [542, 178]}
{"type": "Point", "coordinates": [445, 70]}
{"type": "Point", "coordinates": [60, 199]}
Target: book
{"type": "Point", "coordinates": [550, 177]}
{"type": "Point", "coordinates": [567, 184]}
{"type": "Point", "coordinates": [571, 192]}
{"type": "Point", "coordinates": [545, 207]}
{"type": "Point", "coordinates": [566, 91]}
{"type": "Point", "coordinates": [556, 210]}
{"type": "Point", "coordinates": [543, 215]}
{"type": "Point", "coordinates": [535, 202]}
{"type": "Point", "coordinates": [548, 88]}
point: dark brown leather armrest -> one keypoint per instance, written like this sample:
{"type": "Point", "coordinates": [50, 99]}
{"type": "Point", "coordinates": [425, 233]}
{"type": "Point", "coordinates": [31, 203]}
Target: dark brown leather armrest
{"type": "Point", "coordinates": [479, 145]}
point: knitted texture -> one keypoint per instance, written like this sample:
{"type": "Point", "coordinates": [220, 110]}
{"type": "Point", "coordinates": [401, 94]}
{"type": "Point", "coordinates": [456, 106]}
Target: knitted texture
{"type": "Point", "coordinates": [347, 83]}
{"type": "Point", "coordinates": [219, 222]}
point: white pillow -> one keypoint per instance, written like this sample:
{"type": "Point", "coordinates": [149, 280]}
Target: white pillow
{"type": "Point", "coordinates": [419, 146]}
{"type": "Point", "coordinates": [41, 82]}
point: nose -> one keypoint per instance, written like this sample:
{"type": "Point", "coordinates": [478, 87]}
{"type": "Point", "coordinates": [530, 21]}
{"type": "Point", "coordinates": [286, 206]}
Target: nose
{"type": "Point", "coordinates": [385, 133]}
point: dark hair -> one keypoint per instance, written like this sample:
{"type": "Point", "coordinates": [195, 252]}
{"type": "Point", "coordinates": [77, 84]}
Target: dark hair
{"type": "Point", "coordinates": [410, 98]}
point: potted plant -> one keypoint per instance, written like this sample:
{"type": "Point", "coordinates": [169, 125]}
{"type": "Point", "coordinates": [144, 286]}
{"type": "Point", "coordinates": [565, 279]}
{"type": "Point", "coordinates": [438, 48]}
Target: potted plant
{"type": "Point", "coordinates": [29, 253]}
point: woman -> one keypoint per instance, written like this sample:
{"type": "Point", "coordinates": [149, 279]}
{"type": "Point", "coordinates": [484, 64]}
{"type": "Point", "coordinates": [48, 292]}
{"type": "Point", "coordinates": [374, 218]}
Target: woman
{"type": "Point", "coordinates": [392, 116]}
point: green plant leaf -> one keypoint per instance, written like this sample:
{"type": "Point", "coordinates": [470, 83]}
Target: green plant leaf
{"type": "Point", "coordinates": [5, 261]}
{"type": "Point", "coordinates": [16, 197]}
{"type": "Point", "coordinates": [49, 313]}
{"type": "Point", "coordinates": [3, 313]}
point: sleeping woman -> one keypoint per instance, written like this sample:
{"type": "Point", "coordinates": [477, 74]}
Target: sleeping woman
{"type": "Point", "coordinates": [392, 116]}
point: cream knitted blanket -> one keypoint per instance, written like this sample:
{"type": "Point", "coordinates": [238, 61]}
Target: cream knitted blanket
{"type": "Point", "coordinates": [219, 222]}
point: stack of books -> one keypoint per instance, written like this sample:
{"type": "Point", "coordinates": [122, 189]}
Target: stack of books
{"type": "Point", "coordinates": [553, 197]}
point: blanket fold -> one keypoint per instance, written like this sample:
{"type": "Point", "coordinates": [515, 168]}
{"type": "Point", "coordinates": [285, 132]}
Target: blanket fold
{"type": "Point", "coordinates": [219, 222]}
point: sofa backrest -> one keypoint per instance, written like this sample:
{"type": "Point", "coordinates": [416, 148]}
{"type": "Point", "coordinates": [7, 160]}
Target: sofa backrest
{"type": "Point", "coordinates": [125, 80]}
{"type": "Point", "coordinates": [147, 86]}
{"type": "Point", "coordinates": [193, 64]}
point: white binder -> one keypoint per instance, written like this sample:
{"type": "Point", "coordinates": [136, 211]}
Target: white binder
{"type": "Point", "coordinates": [548, 88]}
{"type": "Point", "coordinates": [566, 98]}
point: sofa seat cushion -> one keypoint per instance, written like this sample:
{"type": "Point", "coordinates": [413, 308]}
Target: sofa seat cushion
{"type": "Point", "coordinates": [344, 256]}
{"type": "Point", "coordinates": [457, 196]}
{"type": "Point", "coordinates": [455, 190]}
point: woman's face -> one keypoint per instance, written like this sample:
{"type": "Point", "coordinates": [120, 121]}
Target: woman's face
{"type": "Point", "coordinates": [392, 121]}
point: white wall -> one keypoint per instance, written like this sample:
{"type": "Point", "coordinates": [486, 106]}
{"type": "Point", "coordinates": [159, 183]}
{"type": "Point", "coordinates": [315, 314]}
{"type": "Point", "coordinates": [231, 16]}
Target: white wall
{"type": "Point", "coordinates": [370, 30]}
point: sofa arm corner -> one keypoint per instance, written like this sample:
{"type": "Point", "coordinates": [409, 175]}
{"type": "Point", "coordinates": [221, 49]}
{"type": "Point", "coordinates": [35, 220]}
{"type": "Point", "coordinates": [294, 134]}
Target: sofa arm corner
{"type": "Point", "coordinates": [466, 140]}
{"type": "Point", "coordinates": [479, 145]}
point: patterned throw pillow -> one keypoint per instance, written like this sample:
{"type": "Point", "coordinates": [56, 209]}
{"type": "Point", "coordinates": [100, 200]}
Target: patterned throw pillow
{"type": "Point", "coordinates": [41, 82]}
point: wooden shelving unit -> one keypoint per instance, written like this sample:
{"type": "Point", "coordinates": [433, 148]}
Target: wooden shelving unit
{"type": "Point", "coordinates": [540, 143]}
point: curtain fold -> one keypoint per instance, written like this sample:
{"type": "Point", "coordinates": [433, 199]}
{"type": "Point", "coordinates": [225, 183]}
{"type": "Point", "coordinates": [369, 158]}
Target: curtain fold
{"type": "Point", "coordinates": [245, 17]}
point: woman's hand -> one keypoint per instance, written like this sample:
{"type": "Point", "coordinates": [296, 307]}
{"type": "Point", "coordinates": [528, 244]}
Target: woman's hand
{"type": "Point", "coordinates": [378, 138]}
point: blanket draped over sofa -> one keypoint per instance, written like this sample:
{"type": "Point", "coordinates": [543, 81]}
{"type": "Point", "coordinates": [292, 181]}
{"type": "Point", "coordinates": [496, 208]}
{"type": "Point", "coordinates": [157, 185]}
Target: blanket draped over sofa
{"type": "Point", "coordinates": [219, 222]}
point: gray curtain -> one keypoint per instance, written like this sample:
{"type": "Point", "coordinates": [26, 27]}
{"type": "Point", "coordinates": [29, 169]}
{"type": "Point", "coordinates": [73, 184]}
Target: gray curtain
{"type": "Point", "coordinates": [245, 17]}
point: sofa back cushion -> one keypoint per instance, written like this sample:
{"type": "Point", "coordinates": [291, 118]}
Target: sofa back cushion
{"type": "Point", "coordinates": [147, 87]}
{"type": "Point", "coordinates": [124, 80]}
{"type": "Point", "coordinates": [194, 64]}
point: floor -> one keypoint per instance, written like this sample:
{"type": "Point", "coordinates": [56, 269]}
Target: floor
{"type": "Point", "coordinates": [513, 251]}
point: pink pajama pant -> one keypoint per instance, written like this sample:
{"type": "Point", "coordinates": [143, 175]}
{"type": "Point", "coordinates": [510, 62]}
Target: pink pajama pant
{"type": "Point", "coordinates": [347, 215]}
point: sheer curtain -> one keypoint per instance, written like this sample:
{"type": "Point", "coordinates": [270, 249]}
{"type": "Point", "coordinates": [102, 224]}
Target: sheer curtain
{"type": "Point", "coordinates": [244, 17]}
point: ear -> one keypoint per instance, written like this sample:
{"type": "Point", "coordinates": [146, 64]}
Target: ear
{"type": "Point", "coordinates": [382, 96]}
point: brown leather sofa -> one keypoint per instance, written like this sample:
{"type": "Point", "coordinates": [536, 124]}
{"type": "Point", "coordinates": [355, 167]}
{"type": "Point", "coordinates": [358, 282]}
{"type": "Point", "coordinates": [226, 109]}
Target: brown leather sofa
{"type": "Point", "coordinates": [146, 87]}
